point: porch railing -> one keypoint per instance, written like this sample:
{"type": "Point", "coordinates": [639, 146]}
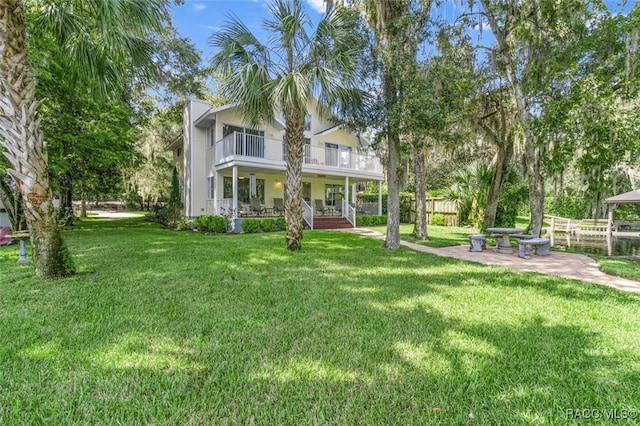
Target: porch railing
{"type": "Point", "coordinates": [349, 212]}
{"type": "Point", "coordinates": [258, 147]}
{"type": "Point", "coordinates": [307, 213]}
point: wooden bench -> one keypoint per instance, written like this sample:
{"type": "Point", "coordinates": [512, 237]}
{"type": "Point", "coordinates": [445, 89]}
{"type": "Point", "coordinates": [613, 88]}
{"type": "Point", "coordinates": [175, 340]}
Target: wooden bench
{"type": "Point", "coordinates": [477, 242]}
{"type": "Point", "coordinates": [542, 246]}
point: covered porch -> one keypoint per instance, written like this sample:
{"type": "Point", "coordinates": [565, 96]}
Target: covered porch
{"type": "Point", "coordinates": [243, 191]}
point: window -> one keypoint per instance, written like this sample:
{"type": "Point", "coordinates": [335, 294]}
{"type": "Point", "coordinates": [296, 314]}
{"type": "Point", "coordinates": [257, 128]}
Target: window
{"type": "Point", "coordinates": [178, 152]}
{"type": "Point", "coordinates": [243, 189]}
{"type": "Point", "coordinates": [337, 155]}
{"type": "Point", "coordinates": [307, 122]}
{"type": "Point", "coordinates": [333, 195]}
{"type": "Point", "coordinates": [211, 187]}
{"type": "Point", "coordinates": [211, 136]}
{"type": "Point", "coordinates": [306, 192]}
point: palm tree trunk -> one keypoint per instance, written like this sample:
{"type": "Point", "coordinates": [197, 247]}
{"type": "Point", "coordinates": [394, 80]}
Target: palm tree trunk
{"type": "Point", "coordinates": [22, 139]}
{"type": "Point", "coordinates": [294, 143]}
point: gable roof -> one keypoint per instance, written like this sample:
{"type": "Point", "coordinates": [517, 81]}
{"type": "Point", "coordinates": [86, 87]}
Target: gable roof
{"type": "Point", "coordinates": [630, 197]}
{"type": "Point", "coordinates": [206, 119]}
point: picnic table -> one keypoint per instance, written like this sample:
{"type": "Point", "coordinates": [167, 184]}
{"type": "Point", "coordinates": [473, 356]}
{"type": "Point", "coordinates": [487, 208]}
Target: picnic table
{"type": "Point", "coordinates": [504, 245]}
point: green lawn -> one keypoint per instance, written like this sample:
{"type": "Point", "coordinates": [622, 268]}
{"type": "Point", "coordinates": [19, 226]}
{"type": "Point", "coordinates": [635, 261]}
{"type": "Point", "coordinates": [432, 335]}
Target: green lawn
{"type": "Point", "coordinates": [439, 236]}
{"type": "Point", "coordinates": [163, 327]}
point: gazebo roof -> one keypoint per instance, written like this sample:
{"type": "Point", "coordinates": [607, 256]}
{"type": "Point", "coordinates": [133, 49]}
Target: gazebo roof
{"type": "Point", "coordinates": [626, 198]}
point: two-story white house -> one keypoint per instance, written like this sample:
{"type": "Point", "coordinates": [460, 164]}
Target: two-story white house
{"type": "Point", "coordinates": [225, 165]}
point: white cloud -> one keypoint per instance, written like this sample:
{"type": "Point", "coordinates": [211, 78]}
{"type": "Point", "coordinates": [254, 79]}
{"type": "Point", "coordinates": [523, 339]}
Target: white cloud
{"type": "Point", "coordinates": [199, 6]}
{"type": "Point", "coordinates": [317, 5]}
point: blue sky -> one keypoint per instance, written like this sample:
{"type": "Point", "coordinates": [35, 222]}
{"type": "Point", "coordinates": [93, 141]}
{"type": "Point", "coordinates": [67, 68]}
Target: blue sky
{"type": "Point", "coordinates": [197, 19]}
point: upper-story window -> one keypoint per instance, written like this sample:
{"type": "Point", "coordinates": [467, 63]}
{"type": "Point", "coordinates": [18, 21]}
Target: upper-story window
{"type": "Point", "coordinates": [307, 122]}
{"type": "Point", "coordinates": [179, 152]}
{"type": "Point", "coordinates": [211, 136]}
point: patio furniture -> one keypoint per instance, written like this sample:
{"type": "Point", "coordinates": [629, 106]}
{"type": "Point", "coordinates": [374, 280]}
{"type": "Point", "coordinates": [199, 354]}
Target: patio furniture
{"type": "Point", "coordinates": [477, 242]}
{"type": "Point", "coordinates": [320, 208]}
{"type": "Point", "coordinates": [255, 206]}
{"type": "Point", "coordinates": [278, 206]}
{"type": "Point", "coordinates": [503, 243]}
{"type": "Point", "coordinates": [542, 247]}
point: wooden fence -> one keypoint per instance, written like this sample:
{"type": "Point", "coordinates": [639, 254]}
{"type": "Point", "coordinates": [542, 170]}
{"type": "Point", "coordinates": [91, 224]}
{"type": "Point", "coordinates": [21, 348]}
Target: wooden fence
{"type": "Point", "coordinates": [437, 206]}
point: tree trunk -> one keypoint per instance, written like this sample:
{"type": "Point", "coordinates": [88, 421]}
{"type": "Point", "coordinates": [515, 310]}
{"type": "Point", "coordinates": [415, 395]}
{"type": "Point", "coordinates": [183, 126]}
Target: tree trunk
{"type": "Point", "coordinates": [532, 152]}
{"type": "Point", "coordinates": [21, 138]}
{"type": "Point", "coordinates": [392, 240]}
{"type": "Point", "coordinates": [65, 211]}
{"type": "Point", "coordinates": [294, 143]}
{"type": "Point", "coordinates": [503, 140]}
{"type": "Point", "coordinates": [420, 227]}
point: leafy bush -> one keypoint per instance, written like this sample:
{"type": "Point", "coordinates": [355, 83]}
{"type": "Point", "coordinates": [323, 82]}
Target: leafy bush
{"type": "Point", "coordinates": [185, 225]}
{"type": "Point", "coordinates": [250, 226]}
{"type": "Point", "coordinates": [159, 214]}
{"type": "Point", "coordinates": [281, 224]}
{"type": "Point", "coordinates": [268, 225]}
{"type": "Point", "coordinates": [216, 224]}
{"type": "Point", "coordinates": [437, 219]}
{"type": "Point", "coordinates": [369, 220]}
{"type": "Point", "coordinates": [571, 205]}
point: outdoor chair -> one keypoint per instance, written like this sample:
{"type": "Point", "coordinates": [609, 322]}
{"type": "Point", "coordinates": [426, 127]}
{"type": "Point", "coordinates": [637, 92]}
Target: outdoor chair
{"type": "Point", "coordinates": [278, 206]}
{"type": "Point", "coordinates": [255, 205]}
{"type": "Point", "coordinates": [320, 208]}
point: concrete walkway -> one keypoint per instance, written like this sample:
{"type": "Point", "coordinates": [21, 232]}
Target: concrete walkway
{"type": "Point", "coordinates": [567, 265]}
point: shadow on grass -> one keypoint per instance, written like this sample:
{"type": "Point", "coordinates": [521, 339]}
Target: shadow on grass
{"type": "Point", "coordinates": [178, 327]}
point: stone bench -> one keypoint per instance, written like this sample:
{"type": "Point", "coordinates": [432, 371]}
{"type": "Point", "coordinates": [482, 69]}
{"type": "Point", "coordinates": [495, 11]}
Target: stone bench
{"type": "Point", "coordinates": [21, 236]}
{"type": "Point", "coordinates": [542, 246]}
{"type": "Point", "coordinates": [477, 242]}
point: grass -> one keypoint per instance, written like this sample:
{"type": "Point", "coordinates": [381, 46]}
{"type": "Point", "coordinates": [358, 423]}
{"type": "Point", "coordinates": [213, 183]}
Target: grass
{"type": "Point", "coordinates": [439, 236]}
{"type": "Point", "coordinates": [163, 327]}
{"type": "Point", "coordinates": [626, 267]}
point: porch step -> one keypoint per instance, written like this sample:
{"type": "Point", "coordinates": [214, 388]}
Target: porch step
{"type": "Point", "coordinates": [331, 223]}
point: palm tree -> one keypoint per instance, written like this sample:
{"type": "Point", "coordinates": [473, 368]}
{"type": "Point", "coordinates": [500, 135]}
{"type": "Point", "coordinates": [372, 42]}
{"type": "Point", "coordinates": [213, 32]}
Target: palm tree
{"type": "Point", "coordinates": [285, 75]}
{"type": "Point", "coordinates": [101, 41]}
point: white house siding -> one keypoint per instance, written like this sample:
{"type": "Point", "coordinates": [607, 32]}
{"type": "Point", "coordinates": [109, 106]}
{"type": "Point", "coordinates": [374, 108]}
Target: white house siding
{"type": "Point", "coordinates": [199, 162]}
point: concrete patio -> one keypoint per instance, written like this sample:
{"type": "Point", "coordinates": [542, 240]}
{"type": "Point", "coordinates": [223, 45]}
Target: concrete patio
{"type": "Point", "coordinates": [567, 265]}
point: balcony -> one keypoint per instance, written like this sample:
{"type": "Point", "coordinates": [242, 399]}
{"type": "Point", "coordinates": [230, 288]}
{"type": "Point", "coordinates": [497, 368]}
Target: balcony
{"type": "Point", "coordinates": [261, 150]}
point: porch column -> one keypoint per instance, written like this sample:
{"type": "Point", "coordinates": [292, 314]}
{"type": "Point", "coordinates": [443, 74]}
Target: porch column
{"type": "Point", "coordinates": [234, 186]}
{"type": "Point", "coordinates": [353, 194]}
{"type": "Point", "coordinates": [346, 190]}
{"type": "Point", "coordinates": [610, 223]}
{"type": "Point", "coordinates": [379, 198]}
{"type": "Point", "coordinates": [216, 201]}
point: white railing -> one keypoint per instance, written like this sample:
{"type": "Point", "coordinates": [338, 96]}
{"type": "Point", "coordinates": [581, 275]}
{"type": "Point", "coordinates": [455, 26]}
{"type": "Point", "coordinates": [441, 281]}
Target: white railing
{"type": "Point", "coordinates": [245, 145]}
{"type": "Point", "coordinates": [253, 146]}
{"type": "Point", "coordinates": [349, 212]}
{"type": "Point", "coordinates": [307, 213]}
{"type": "Point", "coordinates": [331, 157]}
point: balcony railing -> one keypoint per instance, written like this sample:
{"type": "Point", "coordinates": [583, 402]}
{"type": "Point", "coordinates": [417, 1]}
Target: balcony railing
{"type": "Point", "coordinates": [258, 147]}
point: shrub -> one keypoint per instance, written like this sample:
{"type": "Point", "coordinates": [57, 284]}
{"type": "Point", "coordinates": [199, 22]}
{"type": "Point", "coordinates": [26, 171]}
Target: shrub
{"type": "Point", "coordinates": [250, 226]}
{"type": "Point", "coordinates": [437, 219]}
{"type": "Point", "coordinates": [268, 225]}
{"type": "Point", "coordinates": [159, 214]}
{"type": "Point", "coordinates": [216, 224]}
{"type": "Point", "coordinates": [185, 225]}
{"type": "Point", "coordinates": [281, 224]}
{"type": "Point", "coordinates": [369, 220]}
